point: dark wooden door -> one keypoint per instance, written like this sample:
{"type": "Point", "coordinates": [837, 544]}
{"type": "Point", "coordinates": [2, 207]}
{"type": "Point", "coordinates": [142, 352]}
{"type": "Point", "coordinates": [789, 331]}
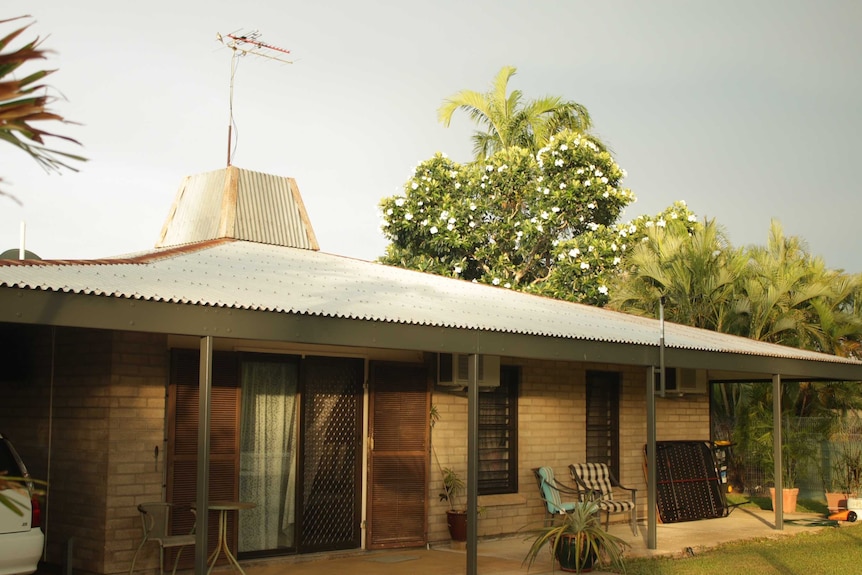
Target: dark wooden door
{"type": "Point", "coordinates": [398, 461]}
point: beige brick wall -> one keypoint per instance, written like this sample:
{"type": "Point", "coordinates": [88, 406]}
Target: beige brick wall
{"type": "Point", "coordinates": [100, 412]}
{"type": "Point", "coordinates": [552, 425]}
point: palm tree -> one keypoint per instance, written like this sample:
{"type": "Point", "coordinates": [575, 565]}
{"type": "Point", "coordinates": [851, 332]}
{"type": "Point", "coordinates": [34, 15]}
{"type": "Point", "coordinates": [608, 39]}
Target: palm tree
{"type": "Point", "coordinates": [25, 101]}
{"type": "Point", "coordinates": [695, 274]}
{"type": "Point", "coordinates": [506, 120]}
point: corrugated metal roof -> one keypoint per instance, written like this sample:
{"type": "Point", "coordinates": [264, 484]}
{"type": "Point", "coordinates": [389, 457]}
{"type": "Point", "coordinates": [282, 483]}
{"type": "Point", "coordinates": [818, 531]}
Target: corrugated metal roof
{"type": "Point", "coordinates": [255, 276]}
{"type": "Point", "coordinates": [238, 204]}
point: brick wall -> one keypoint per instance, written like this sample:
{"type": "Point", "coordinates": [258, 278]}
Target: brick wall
{"type": "Point", "coordinates": [552, 423]}
{"type": "Point", "coordinates": [95, 400]}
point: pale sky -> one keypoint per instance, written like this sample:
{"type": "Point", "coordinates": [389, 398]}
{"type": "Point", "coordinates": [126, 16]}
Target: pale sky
{"type": "Point", "coordinates": [747, 110]}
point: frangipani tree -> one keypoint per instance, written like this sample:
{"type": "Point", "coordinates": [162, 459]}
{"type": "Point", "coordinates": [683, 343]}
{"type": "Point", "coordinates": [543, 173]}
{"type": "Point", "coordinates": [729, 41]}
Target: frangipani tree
{"type": "Point", "coordinates": [544, 222]}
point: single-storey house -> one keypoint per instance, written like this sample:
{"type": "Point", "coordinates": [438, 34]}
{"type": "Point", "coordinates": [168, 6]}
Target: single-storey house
{"type": "Point", "coordinates": [308, 382]}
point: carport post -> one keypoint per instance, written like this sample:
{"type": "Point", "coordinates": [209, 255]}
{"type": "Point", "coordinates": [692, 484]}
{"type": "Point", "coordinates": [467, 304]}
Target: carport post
{"type": "Point", "coordinates": [203, 472]}
{"type": "Point", "coordinates": [776, 449]}
{"type": "Point", "coordinates": [651, 460]}
{"type": "Point", "coordinates": [473, 465]}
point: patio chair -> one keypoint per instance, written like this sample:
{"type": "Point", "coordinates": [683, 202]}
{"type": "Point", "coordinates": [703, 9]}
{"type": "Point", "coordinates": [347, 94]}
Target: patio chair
{"type": "Point", "coordinates": [154, 521]}
{"type": "Point", "coordinates": [551, 492]}
{"type": "Point", "coordinates": [595, 481]}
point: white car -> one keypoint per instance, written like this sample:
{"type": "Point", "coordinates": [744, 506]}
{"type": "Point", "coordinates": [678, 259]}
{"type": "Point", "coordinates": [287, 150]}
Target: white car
{"type": "Point", "coordinates": [21, 537]}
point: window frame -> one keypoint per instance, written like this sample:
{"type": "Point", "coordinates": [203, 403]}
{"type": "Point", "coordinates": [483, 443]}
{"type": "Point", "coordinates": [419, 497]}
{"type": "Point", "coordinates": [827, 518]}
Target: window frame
{"type": "Point", "coordinates": [506, 395]}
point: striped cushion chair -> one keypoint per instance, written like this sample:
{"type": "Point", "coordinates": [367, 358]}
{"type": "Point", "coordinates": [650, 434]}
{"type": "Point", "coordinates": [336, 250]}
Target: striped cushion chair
{"type": "Point", "coordinates": [595, 481]}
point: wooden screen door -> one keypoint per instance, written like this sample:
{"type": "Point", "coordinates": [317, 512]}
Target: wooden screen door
{"type": "Point", "coordinates": [398, 460]}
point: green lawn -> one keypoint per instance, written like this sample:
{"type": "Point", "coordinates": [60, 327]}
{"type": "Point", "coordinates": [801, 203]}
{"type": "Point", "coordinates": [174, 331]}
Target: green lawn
{"type": "Point", "coordinates": [831, 550]}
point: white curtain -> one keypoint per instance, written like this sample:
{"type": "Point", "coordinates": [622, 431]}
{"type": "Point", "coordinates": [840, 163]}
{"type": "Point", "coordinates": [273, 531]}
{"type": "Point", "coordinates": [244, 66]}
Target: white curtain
{"type": "Point", "coordinates": [268, 455]}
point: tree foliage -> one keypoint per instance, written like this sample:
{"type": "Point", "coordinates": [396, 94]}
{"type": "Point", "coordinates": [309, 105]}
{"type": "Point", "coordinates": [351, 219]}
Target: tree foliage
{"type": "Point", "coordinates": [25, 101]}
{"type": "Point", "coordinates": [544, 223]}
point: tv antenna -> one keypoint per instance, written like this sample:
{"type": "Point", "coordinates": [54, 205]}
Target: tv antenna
{"type": "Point", "coordinates": [244, 44]}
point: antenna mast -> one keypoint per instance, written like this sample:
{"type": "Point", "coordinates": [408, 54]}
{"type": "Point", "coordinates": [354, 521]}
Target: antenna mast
{"type": "Point", "coordinates": [242, 44]}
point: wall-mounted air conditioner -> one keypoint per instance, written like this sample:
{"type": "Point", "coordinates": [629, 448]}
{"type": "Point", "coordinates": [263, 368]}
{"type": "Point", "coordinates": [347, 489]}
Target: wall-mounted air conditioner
{"type": "Point", "coordinates": [680, 380]}
{"type": "Point", "coordinates": [453, 370]}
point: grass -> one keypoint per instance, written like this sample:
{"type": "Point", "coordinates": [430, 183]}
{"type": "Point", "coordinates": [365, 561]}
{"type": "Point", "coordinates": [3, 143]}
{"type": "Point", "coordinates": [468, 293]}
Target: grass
{"type": "Point", "coordinates": [830, 550]}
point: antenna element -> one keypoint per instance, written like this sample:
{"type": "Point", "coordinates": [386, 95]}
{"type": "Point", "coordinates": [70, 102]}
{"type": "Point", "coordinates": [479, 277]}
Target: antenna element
{"type": "Point", "coordinates": [243, 44]}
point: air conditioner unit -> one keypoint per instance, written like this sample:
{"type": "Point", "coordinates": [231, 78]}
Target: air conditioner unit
{"type": "Point", "coordinates": [453, 370]}
{"type": "Point", "coordinates": [680, 380]}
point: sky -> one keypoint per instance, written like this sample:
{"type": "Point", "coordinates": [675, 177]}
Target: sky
{"type": "Point", "coordinates": [747, 110]}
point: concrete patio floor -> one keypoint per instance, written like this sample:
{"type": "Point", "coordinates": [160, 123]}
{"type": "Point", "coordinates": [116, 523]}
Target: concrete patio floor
{"type": "Point", "coordinates": [504, 556]}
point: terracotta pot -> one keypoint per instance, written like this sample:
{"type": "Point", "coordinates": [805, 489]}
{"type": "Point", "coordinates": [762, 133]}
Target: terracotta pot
{"type": "Point", "coordinates": [788, 498]}
{"type": "Point", "coordinates": [457, 521]}
{"type": "Point", "coordinates": [836, 501]}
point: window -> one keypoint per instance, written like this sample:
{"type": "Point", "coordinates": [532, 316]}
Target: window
{"type": "Point", "coordinates": [603, 420]}
{"type": "Point", "coordinates": [498, 435]}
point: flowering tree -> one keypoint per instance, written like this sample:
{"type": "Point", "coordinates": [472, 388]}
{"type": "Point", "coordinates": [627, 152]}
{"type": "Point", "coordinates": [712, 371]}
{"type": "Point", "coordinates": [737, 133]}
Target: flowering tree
{"type": "Point", "coordinates": [543, 223]}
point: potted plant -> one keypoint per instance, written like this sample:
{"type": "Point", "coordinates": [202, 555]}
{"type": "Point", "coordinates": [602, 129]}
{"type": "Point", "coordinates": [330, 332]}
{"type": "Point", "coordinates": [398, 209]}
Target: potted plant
{"type": "Point", "coordinates": [579, 542]}
{"type": "Point", "coordinates": [845, 478]}
{"type": "Point", "coordinates": [456, 515]}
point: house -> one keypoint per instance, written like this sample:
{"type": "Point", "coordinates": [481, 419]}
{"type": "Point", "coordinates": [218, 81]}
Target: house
{"type": "Point", "coordinates": [307, 380]}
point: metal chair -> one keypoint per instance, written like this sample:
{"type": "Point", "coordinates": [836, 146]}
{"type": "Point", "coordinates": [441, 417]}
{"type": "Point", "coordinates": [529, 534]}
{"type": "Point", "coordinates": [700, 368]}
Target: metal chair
{"type": "Point", "coordinates": [596, 482]}
{"type": "Point", "coordinates": [552, 492]}
{"type": "Point", "coordinates": [155, 517]}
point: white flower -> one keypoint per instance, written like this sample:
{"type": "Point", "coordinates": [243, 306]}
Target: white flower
{"type": "Point", "coordinates": [613, 247]}
{"type": "Point", "coordinates": [674, 216]}
{"type": "Point", "coordinates": [408, 216]}
{"type": "Point", "coordinates": [540, 178]}
{"type": "Point", "coordinates": [519, 234]}
{"type": "Point", "coordinates": [444, 214]}
{"type": "Point", "coordinates": [546, 191]}
{"type": "Point", "coordinates": [593, 226]}
{"type": "Point", "coordinates": [692, 218]}
{"type": "Point", "coordinates": [617, 261]}
{"type": "Point", "coordinates": [545, 215]}
{"type": "Point", "coordinates": [472, 206]}
{"type": "Point", "coordinates": [648, 224]}
{"type": "Point", "coordinates": [399, 202]}
{"type": "Point", "coordinates": [433, 229]}
{"type": "Point", "coordinates": [507, 285]}
{"type": "Point", "coordinates": [632, 229]}
{"type": "Point", "coordinates": [457, 270]}
{"type": "Point", "coordinates": [495, 281]}
{"type": "Point", "coordinates": [585, 265]}
{"type": "Point", "coordinates": [452, 220]}
{"type": "Point", "coordinates": [482, 185]}
{"type": "Point", "coordinates": [489, 168]}
{"type": "Point", "coordinates": [580, 171]}
{"type": "Point", "coordinates": [598, 173]}
{"type": "Point", "coordinates": [457, 185]}
{"type": "Point", "coordinates": [555, 209]}
{"type": "Point", "coordinates": [574, 252]}
{"type": "Point", "coordinates": [624, 173]}
{"type": "Point", "coordinates": [558, 162]}
{"type": "Point", "coordinates": [586, 183]}
{"type": "Point", "coordinates": [472, 224]}
{"type": "Point", "coordinates": [603, 290]}
{"type": "Point", "coordinates": [604, 179]}
{"type": "Point", "coordinates": [563, 147]}
{"type": "Point", "coordinates": [414, 185]}
{"type": "Point", "coordinates": [590, 249]}
{"type": "Point", "coordinates": [606, 194]}
{"type": "Point", "coordinates": [424, 222]}
{"type": "Point", "coordinates": [540, 228]}
{"type": "Point", "coordinates": [389, 212]}
{"type": "Point", "coordinates": [444, 155]}
{"type": "Point", "coordinates": [502, 168]}
{"type": "Point", "coordinates": [421, 203]}
{"type": "Point", "coordinates": [562, 185]}
{"type": "Point", "coordinates": [661, 223]}
{"type": "Point", "coordinates": [450, 227]}
{"type": "Point", "coordinates": [591, 206]}
{"type": "Point", "coordinates": [453, 174]}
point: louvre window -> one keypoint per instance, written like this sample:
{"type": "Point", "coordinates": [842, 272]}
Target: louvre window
{"type": "Point", "coordinates": [603, 421]}
{"type": "Point", "coordinates": [498, 435]}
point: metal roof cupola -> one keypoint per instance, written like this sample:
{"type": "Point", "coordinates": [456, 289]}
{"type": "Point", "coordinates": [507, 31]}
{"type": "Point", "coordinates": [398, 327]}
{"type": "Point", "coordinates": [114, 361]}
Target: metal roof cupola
{"type": "Point", "coordinates": [238, 204]}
